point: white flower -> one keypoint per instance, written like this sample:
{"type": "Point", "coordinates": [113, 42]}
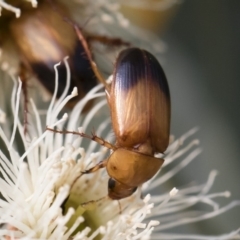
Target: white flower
{"type": "Point", "coordinates": [45, 196]}
{"type": "Point", "coordinates": [43, 200]}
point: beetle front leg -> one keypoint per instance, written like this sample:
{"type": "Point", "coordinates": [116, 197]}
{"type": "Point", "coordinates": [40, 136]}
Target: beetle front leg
{"type": "Point", "coordinates": [94, 67]}
{"type": "Point", "coordinates": [100, 165]}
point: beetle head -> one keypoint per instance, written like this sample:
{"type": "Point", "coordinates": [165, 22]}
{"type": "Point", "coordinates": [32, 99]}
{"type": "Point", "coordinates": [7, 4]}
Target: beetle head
{"type": "Point", "coordinates": [117, 190]}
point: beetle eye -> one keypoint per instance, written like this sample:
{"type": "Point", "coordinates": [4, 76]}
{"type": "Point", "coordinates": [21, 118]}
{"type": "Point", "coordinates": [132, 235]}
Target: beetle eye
{"type": "Point", "coordinates": [111, 183]}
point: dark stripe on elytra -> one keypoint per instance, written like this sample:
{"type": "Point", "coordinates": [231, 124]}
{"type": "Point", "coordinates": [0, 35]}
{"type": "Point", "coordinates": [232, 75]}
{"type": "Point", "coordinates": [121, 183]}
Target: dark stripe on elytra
{"type": "Point", "coordinates": [131, 68]}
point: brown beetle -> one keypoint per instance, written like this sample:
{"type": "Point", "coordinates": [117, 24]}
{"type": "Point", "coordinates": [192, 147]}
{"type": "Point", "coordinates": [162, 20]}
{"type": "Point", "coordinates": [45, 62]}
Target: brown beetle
{"type": "Point", "coordinates": [139, 102]}
{"type": "Point", "coordinates": [44, 39]}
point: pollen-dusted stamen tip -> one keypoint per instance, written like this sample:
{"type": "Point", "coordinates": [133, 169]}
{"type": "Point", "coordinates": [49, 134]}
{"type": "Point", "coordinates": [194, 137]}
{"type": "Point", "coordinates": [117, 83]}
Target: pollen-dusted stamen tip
{"type": "Point", "coordinates": [110, 79]}
{"type": "Point", "coordinates": [153, 223]}
{"type": "Point", "coordinates": [141, 225]}
{"type": "Point", "coordinates": [2, 116]}
{"type": "Point", "coordinates": [107, 18]}
{"type": "Point", "coordinates": [4, 66]}
{"type": "Point", "coordinates": [56, 65]}
{"type": "Point", "coordinates": [7, 6]}
{"type": "Point", "coordinates": [227, 194]}
{"type": "Point", "coordinates": [147, 198]}
{"type": "Point", "coordinates": [18, 13]}
{"type": "Point", "coordinates": [65, 116]}
{"type": "Point", "coordinates": [173, 192]}
{"type": "Point", "coordinates": [196, 142]}
{"type": "Point", "coordinates": [34, 3]}
{"type": "Point", "coordinates": [66, 58]}
{"type": "Point", "coordinates": [80, 129]}
{"type": "Point", "coordinates": [74, 92]}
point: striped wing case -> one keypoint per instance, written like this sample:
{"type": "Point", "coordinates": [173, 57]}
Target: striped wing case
{"type": "Point", "coordinates": [139, 99]}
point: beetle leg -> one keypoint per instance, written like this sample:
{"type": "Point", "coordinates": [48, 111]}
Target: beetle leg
{"type": "Point", "coordinates": [99, 140]}
{"type": "Point", "coordinates": [89, 56]}
{"type": "Point", "coordinates": [108, 40]}
{"type": "Point", "coordinates": [94, 137]}
{"type": "Point", "coordinates": [100, 165]}
{"type": "Point", "coordinates": [23, 78]}
{"type": "Point", "coordinates": [120, 207]}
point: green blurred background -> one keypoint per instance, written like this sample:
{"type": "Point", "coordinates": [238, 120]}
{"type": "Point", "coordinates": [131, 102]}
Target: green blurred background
{"type": "Point", "coordinates": [202, 65]}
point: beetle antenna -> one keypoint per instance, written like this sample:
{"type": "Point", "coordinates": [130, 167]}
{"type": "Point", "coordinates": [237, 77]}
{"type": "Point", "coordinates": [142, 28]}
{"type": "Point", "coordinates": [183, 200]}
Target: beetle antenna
{"type": "Point", "coordinates": [86, 204]}
{"type": "Point", "coordinates": [98, 166]}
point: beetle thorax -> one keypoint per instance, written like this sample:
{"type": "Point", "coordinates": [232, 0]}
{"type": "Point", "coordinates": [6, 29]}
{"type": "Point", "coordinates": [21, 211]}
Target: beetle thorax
{"type": "Point", "coordinates": [132, 168]}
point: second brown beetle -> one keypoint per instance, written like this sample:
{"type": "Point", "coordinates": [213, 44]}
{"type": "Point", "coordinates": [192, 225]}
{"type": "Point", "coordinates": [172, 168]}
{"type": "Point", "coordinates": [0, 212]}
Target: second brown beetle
{"type": "Point", "coordinates": [42, 37]}
{"type": "Point", "coordinates": [139, 102]}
